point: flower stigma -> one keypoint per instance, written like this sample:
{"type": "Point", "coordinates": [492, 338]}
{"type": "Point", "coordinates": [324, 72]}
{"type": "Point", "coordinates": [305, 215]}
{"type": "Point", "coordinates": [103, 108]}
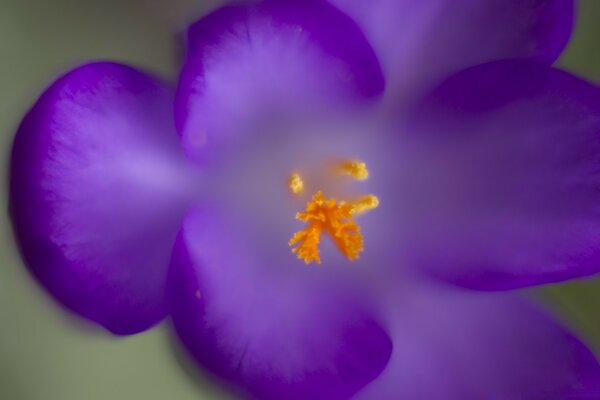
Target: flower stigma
{"type": "Point", "coordinates": [328, 215]}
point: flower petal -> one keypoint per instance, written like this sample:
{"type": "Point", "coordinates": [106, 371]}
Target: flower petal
{"type": "Point", "coordinates": [421, 42]}
{"type": "Point", "coordinates": [98, 189]}
{"type": "Point", "coordinates": [462, 345]}
{"type": "Point", "coordinates": [272, 331]}
{"type": "Point", "coordinates": [254, 64]}
{"type": "Point", "coordinates": [507, 177]}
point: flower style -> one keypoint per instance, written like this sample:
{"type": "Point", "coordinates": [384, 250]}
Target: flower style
{"type": "Point", "coordinates": [345, 194]}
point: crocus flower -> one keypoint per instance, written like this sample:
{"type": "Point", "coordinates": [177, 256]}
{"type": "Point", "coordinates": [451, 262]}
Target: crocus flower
{"type": "Point", "coordinates": [343, 196]}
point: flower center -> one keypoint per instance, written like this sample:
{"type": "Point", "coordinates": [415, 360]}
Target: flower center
{"type": "Point", "coordinates": [328, 215]}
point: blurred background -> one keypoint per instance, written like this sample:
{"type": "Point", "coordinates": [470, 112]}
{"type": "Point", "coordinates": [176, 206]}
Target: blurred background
{"type": "Point", "coordinates": [44, 354]}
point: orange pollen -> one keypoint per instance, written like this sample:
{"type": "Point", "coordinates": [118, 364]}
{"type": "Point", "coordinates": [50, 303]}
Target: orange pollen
{"type": "Point", "coordinates": [335, 218]}
{"type": "Point", "coordinates": [355, 169]}
{"type": "Point", "coordinates": [295, 183]}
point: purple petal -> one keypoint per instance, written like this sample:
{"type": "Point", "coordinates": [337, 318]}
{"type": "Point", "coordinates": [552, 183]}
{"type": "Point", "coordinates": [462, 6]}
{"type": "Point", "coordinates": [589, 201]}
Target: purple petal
{"type": "Point", "coordinates": [462, 345]}
{"type": "Point", "coordinates": [507, 177]}
{"type": "Point", "coordinates": [98, 192]}
{"type": "Point", "coordinates": [274, 331]}
{"type": "Point", "coordinates": [421, 42]}
{"type": "Point", "coordinates": [252, 66]}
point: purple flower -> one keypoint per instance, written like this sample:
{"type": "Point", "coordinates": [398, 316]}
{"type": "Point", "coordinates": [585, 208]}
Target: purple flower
{"type": "Point", "coordinates": [451, 157]}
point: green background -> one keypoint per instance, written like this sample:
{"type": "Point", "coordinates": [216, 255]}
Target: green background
{"type": "Point", "coordinates": [44, 352]}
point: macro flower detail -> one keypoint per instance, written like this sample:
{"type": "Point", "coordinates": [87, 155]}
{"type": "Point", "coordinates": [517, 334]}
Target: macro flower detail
{"type": "Point", "coordinates": [328, 215]}
{"type": "Point", "coordinates": [438, 155]}
{"type": "Point", "coordinates": [324, 214]}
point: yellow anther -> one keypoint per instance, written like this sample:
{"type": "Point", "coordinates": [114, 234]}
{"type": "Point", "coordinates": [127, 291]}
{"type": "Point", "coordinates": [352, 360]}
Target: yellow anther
{"type": "Point", "coordinates": [327, 215]}
{"type": "Point", "coordinates": [296, 184]}
{"type": "Point", "coordinates": [356, 169]}
{"type": "Point", "coordinates": [366, 203]}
